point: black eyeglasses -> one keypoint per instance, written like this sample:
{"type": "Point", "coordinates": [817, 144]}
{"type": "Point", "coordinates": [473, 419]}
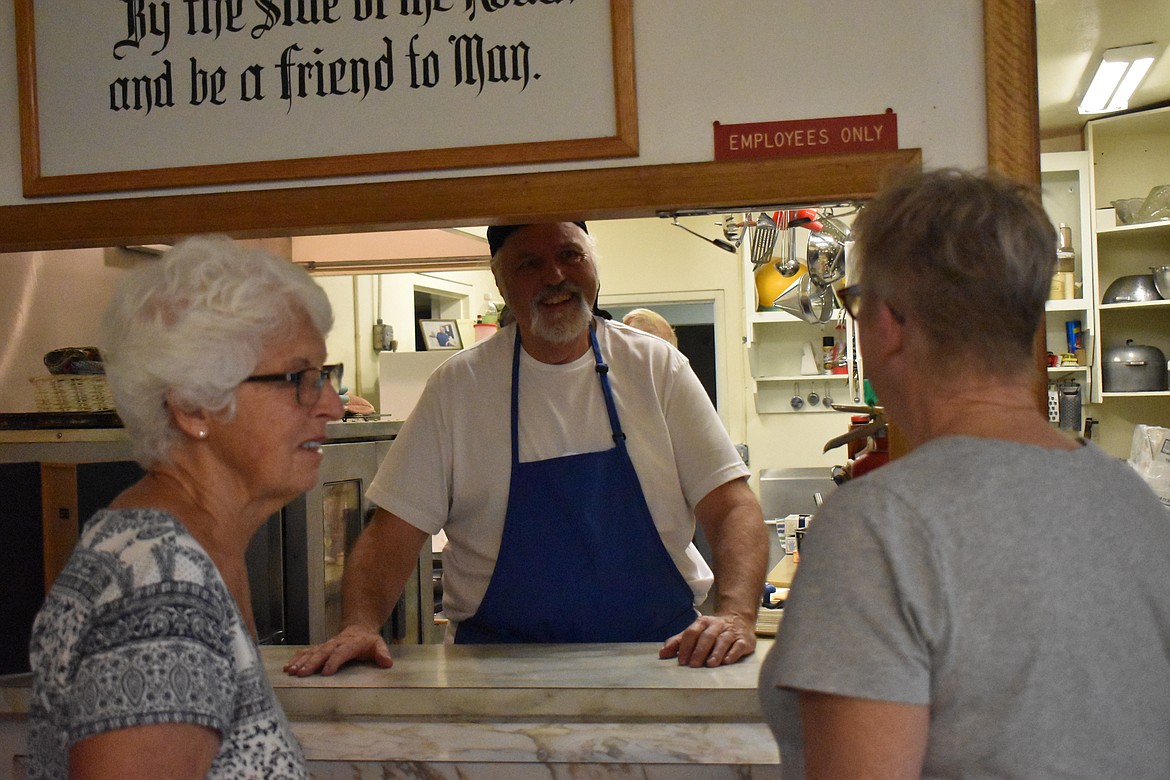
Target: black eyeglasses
{"type": "Point", "coordinates": [307, 381]}
{"type": "Point", "coordinates": [850, 297]}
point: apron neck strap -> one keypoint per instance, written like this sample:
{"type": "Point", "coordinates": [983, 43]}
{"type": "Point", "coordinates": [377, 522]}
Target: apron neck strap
{"type": "Point", "coordinates": [603, 375]}
{"type": "Point", "coordinates": [602, 369]}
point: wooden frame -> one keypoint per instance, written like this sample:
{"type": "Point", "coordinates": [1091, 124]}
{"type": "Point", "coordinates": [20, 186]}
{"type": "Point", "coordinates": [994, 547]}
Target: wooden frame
{"type": "Point", "coordinates": [623, 143]}
{"type": "Point", "coordinates": [440, 334]}
{"type": "Point", "coordinates": [1012, 149]}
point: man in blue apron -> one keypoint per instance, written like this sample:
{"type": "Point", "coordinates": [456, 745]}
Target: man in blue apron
{"type": "Point", "coordinates": [583, 531]}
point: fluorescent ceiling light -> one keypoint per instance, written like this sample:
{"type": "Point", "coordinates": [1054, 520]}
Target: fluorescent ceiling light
{"type": "Point", "coordinates": [1118, 75]}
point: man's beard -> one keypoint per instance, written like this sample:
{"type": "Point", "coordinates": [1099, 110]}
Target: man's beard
{"type": "Point", "coordinates": [563, 326]}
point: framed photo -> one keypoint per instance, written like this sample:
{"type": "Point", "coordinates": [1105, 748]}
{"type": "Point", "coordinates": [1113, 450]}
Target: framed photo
{"type": "Point", "coordinates": [440, 334]}
{"type": "Point", "coordinates": [110, 101]}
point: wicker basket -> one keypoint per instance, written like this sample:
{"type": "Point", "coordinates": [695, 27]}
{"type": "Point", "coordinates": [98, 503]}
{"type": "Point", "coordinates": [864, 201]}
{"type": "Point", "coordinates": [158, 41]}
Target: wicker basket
{"type": "Point", "coordinates": [72, 393]}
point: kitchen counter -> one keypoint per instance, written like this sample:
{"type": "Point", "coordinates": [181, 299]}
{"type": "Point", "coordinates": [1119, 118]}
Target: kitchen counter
{"type": "Point", "coordinates": [524, 711]}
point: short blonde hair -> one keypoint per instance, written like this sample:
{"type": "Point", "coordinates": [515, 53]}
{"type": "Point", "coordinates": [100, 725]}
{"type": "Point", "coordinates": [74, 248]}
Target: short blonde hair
{"type": "Point", "coordinates": [650, 321]}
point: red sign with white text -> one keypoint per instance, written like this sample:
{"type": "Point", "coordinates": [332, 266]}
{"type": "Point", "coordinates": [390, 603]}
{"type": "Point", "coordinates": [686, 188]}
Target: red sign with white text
{"type": "Point", "coordinates": [831, 135]}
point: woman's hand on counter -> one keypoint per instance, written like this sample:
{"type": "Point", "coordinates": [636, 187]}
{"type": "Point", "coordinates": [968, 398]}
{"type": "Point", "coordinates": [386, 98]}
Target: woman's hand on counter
{"type": "Point", "coordinates": [353, 643]}
{"type": "Point", "coordinates": [712, 640]}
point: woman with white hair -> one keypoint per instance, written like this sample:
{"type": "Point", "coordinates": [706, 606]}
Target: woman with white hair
{"type": "Point", "coordinates": [144, 654]}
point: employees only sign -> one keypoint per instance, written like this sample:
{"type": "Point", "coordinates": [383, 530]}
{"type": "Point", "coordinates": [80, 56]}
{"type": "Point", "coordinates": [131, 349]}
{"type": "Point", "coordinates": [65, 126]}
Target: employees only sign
{"type": "Point", "coordinates": [795, 138]}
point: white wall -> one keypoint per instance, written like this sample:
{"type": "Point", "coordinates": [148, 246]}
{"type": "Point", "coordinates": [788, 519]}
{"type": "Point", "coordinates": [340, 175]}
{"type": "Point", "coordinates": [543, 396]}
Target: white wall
{"type": "Point", "coordinates": [698, 62]}
{"type": "Point", "coordinates": [397, 311]}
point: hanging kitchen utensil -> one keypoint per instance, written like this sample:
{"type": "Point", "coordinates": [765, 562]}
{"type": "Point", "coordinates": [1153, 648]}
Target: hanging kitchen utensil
{"type": "Point", "coordinates": [719, 242]}
{"type": "Point", "coordinates": [856, 359]}
{"type": "Point", "coordinates": [796, 301]}
{"type": "Point", "coordinates": [825, 258]}
{"type": "Point", "coordinates": [763, 240]}
{"type": "Point", "coordinates": [827, 401]}
{"type": "Point", "coordinates": [813, 398]}
{"type": "Point", "coordinates": [834, 227]}
{"type": "Point", "coordinates": [807, 301]}
{"type": "Point", "coordinates": [805, 218]}
{"type": "Point", "coordinates": [733, 231]}
{"type": "Point", "coordinates": [797, 400]}
{"type": "Point", "coordinates": [786, 261]}
{"type": "Point", "coordinates": [825, 303]}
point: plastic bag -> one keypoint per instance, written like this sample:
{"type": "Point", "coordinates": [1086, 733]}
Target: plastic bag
{"type": "Point", "coordinates": [1156, 206]}
{"type": "Point", "coordinates": [1149, 454]}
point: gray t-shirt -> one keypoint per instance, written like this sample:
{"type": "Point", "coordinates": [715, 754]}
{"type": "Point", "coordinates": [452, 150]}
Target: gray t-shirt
{"type": "Point", "coordinates": [1022, 592]}
{"type": "Point", "coordinates": [139, 628]}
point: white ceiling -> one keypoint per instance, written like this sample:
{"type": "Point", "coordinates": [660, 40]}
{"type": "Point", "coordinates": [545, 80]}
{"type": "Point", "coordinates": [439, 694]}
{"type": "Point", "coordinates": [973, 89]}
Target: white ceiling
{"type": "Point", "coordinates": [1072, 34]}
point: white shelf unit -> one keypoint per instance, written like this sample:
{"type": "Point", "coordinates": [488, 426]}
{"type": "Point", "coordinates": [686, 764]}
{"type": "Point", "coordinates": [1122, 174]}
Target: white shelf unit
{"type": "Point", "coordinates": [1129, 155]}
{"type": "Point", "coordinates": [1064, 183]}
{"type": "Point", "coordinates": [775, 353]}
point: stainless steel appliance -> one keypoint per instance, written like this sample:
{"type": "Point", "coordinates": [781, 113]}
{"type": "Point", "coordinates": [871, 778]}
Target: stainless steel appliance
{"type": "Point", "coordinates": [790, 491]}
{"type": "Point", "coordinates": [55, 480]}
{"type": "Point", "coordinates": [318, 530]}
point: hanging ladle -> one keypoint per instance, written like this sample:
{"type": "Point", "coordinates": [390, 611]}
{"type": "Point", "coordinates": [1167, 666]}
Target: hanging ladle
{"type": "Point", "coordinates": [813, 398]}
{"type": "Point", "coordinates": [797, 400]}
{"type": "Point", "coordinates": [828, 399]}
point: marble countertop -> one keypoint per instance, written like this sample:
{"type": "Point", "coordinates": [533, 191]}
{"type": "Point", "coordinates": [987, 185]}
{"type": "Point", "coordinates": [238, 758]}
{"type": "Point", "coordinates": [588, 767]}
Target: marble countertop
{"type": "Point", "coordinates": [573, 682]}
{"type": "Point", "coordinates": [501, 711]}
{"type": "Point", "coordinates": [517, 712]}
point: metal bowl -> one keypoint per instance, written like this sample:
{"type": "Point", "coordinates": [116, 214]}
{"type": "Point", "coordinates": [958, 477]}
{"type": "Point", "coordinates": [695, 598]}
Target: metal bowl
{"type": "Point", "coordinates": [1131, 289]}
{"type": "Point", "coordinates": [1162, 279]}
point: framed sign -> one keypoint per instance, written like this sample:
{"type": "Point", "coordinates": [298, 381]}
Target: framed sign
{"type": "Point", "coordinates": [440, 334]}
{"type": "Point", "coordinates": [126, 95]}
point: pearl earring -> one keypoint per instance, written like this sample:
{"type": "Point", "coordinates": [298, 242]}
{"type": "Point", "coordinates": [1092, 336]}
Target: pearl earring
{"type": "Point", "coordinates": [202, 434]}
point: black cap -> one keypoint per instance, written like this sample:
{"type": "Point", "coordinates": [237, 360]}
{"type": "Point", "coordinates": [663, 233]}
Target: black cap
{"type": "Point", "coordinates": [498, 234]}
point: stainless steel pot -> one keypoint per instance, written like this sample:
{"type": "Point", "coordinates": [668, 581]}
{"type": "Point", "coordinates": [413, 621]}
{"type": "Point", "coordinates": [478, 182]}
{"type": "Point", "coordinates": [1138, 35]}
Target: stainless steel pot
{"type": "Point", "coordinates": [1134, 368]}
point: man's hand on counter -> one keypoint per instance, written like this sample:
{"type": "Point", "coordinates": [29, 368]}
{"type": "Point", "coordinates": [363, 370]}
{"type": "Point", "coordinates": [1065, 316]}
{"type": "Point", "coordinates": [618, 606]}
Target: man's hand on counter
{"type": "Point", "coordinates": [354, 643]}
{"type": "Point", "coordinates": [712, 640]}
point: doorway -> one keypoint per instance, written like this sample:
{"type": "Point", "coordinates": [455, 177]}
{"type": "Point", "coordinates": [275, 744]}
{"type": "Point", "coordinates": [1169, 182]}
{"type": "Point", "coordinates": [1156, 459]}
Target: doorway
{"type": "Point", "coordinates": [694, 325]}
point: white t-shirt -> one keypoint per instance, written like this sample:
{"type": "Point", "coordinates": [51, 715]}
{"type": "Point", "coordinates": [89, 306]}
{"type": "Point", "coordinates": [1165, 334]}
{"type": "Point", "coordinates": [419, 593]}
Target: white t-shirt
{"type": "Point", "coordinates": [450, 465]}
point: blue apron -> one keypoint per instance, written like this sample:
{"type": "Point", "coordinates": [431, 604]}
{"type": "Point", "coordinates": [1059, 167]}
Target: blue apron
{"type": "Point", "coordinates": [580, 559]}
